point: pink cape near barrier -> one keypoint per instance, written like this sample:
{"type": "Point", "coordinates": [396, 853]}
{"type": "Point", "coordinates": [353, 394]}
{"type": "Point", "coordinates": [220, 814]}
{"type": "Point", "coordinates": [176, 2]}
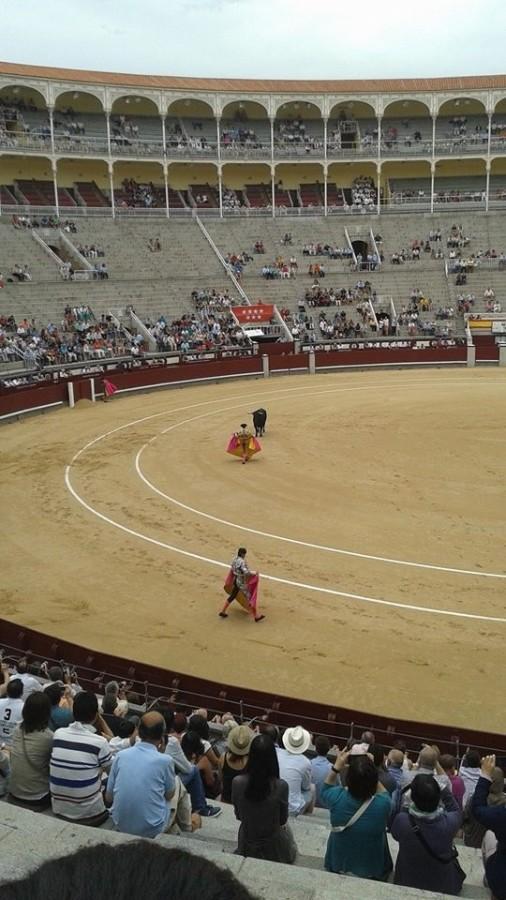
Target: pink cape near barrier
{"type": "Point", "coordinates": [109, 388]}
{"type": "Point", "coordinates": [247, 603]}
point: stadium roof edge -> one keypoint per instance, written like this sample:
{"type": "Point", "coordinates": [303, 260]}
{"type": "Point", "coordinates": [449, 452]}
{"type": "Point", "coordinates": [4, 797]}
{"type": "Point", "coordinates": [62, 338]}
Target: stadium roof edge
{"type": "Point", "coordinates": [246, 85]}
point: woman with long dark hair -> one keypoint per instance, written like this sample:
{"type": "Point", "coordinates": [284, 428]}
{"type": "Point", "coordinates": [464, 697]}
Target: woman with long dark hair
{"type": "Point", "coordinates": [260, 799]}
{"type": "Point", "coordinates": [30, 752]}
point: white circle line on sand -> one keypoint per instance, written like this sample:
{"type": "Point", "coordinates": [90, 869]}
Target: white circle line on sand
{"type": "Point", "coordinates": [283, 538]}
{"type": "Point", "coordinates": [273, 578]}
{"type": "Point", "coordinates": [264, 393]}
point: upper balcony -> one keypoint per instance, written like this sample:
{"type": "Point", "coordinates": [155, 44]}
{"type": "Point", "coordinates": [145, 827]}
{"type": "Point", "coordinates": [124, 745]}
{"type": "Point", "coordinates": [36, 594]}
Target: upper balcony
{"type": "Point", "coordinates": [188, 129]}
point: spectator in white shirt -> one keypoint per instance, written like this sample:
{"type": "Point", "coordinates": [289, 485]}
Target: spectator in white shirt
{"type": "Point", "coordinates": [470, 772]}
{"type": "Point", "coordinates": [11, 710]}
{"type": "Point", "coordinates": [295, 769]}
{"type": "Point", "coordinates": [188, 771]}
{"type": "Point", "coordinates": [127, 736]}
{"type": "Point", "coordinates": [30, 683]}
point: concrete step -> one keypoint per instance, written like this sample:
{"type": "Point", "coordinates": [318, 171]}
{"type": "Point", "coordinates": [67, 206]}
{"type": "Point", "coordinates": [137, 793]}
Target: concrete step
{"type": "Point", "coordinates": [311, 834]}
{"type": "Point", "coordinates": [28, 839]}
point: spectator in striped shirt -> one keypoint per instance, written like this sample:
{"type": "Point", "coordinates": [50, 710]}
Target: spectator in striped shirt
{"type": "Point", "coordinates": [80, 756]}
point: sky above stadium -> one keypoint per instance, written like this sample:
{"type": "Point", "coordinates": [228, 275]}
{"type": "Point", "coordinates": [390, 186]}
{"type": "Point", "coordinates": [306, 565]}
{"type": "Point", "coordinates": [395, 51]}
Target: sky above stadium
{"type": "Point", "coordinates": [258, 38]}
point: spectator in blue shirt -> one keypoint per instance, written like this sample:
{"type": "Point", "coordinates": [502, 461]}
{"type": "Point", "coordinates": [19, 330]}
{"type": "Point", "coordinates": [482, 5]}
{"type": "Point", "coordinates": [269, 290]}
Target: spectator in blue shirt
{"type": "Point", "coordinates": [142, 782]}
{"type": "Point", "coordinates": [60, 716]}
{"type": "Point", "coordinates": [320, 766]}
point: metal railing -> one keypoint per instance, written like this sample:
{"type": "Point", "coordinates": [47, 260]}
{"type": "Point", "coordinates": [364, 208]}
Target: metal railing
{"type": "Point", "coordinates": [186, 693]}
{"type": "Point", "coordinates": [176, 148]}
{"type": "Point", "coordinates": [240, 290]}
{"type": "Point", "coordinates": [399, 203]}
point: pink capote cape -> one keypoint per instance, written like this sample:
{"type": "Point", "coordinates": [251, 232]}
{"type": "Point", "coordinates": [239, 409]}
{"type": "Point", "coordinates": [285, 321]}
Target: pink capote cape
{"type": "Point", "coordinates": [234, 446]}
{"type": "Point", "coordinates": [109, 388]}
{"type": "Point", "coordinates": [246, 603]}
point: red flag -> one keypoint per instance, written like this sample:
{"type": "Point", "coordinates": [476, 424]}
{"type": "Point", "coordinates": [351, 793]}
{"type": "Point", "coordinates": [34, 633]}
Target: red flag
{"type": "Point", "coordinates": [257, 313]}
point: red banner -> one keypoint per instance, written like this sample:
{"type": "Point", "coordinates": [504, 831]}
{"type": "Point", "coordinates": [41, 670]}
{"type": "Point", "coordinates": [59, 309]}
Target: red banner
{"type": "Point", "coordinates": [259, 312]}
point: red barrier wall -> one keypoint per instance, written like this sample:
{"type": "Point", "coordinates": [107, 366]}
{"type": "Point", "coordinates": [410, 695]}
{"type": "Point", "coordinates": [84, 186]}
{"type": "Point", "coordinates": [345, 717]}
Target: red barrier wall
{"type": "Point", "coordinates": [486, 347]}
{"type": "Point", "coordinates": [390, 357]}
{"type": "Point", "coordinates": [213, 368]}
{"type": "Point", "coordinates": [279, 360]}
{"type": "Point", "coordinates": [290, 361]}
{"type": "Point", "coordinates": [31, 397]}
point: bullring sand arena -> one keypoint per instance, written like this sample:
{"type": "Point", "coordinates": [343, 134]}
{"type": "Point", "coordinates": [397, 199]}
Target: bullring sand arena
{"type": "Point", "coordinates": [119, 522]}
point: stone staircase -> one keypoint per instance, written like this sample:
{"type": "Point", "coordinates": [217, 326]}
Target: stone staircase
{"type": "Point", "coordinates": [153, 283]}
{"type": "Point", "coordinates": [156, 283]}
{"type": "Point", "coordinates": [27, 839]}
{"type": "Point", "coordinates": [17, 245]}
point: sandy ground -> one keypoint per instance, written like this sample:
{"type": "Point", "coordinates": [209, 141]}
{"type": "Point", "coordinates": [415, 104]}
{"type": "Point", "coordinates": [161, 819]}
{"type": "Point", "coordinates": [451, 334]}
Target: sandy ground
{"type": "Point", "coordinates": [399, 465]}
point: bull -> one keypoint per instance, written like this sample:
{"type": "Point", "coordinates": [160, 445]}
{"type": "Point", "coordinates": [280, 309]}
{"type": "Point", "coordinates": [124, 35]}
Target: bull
{"type": "Point", "coordinates": [259, 420]}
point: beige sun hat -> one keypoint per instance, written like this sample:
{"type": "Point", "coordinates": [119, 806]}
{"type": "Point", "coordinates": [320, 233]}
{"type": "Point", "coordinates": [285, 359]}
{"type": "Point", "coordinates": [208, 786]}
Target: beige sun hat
{"type": "Point", "coordinates": [239, 740]}
{"type": "Point", "coordinates": [296, 740]}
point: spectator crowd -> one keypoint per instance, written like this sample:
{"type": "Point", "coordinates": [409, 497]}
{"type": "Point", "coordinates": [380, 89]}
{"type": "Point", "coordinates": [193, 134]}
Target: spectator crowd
{"type": "Point", "coordinates": [155, 769]}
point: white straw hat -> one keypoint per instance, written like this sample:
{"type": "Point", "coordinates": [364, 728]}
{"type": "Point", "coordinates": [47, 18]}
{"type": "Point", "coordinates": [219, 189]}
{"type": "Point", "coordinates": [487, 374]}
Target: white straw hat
{"type": "Point", "coordinates": [296, 740]}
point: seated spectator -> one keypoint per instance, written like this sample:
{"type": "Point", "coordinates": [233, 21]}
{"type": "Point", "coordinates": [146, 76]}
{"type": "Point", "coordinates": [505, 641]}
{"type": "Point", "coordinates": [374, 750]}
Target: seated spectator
{"type": "Point", "coordinates": [185, 768]}
{"type": "Point", "coordinates": [194, 750]}
{"type": "Point", "coordinates": [474, 831]}
{"type": "Point", "coordinates": [395, 763]}
{"type": "Point", "coordinates": [30, 753]}
{"type": "Point", "coordinates": [295, 769]}
{"type": "Point", "coordinates": [448, 764]}
{"type": "Point", "coordinates": [127, 871]}
{"type": "Point", "coordinates": [427, 859]}
{"type": "Point", "coordinates": [384, 775]}
{"type": "Point", "coordinates": [199, 723]}
{"type": "Point", "coordinates": [428, 764]}
{"type": "Point", "coordinates": [142, 787]}
{"type": "Point", "coordinates": [79, 757]}
{"type": "Point", "coordinates": [494, 819]}
{"type": "Point", "coordinates": [30, 683]}
{"type": "Point", "coordinates": [59, 716]}
{"type": "Point", "coordinates": [112, 688]}
{"type": "Point", "coordinates": [112, 712]}
{"type": "Point", "coordinates": [470, 772]}
{"type": "Point", "coordinates": [57, 675]}
{"type": "Point", "coordinates": [320, 766]}
{"type": "Point", "coordinates": [359, 813]}
{"type": "Point", "coordinates": [126, 737]}
{"type": "Point", "coordinates": [11, 710]}
{"type": "Point", "coordinates": [5, 769]}
{"type": "Point", "coordinates": [260, 801]}
{"type": "Point", "coordinates": [235, 758]}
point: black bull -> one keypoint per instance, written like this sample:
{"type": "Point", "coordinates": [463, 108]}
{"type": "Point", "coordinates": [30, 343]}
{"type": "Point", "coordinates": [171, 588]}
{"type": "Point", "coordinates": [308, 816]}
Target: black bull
{"type": "Point", "coordinates": [259, 420]}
